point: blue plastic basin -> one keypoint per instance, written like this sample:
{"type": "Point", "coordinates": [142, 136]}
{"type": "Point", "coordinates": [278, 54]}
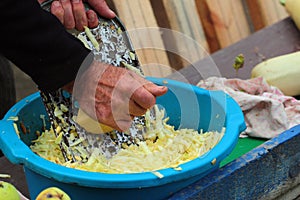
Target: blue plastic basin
{"type": "Point", "coordinates": [186, 105]}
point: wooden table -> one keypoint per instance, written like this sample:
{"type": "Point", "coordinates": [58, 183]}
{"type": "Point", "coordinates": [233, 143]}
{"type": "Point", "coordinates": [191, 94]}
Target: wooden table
{"type": "Point", "coordinates": [278, 39]}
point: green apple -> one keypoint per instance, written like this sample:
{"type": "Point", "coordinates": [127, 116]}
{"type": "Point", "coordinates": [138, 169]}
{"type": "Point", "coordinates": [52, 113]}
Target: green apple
{"type": "Point", "coordinates": [53, 193]}
{"type": "Point", "coordinates": [8, 191]}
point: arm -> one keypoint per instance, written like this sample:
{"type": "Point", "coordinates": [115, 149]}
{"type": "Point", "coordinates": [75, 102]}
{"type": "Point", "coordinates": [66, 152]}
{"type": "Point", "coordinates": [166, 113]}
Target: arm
{"type": "Point", "coordinates": [25, 32]}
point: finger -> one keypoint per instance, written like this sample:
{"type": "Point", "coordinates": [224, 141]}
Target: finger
{"type": "Point", "coordinates": [69, 21]}
{"type": "Point", "coordinates": [146, 96]}
{"type": "Point", "coordinates": [145, 92]}
{"type": "Point", "coordinates": [129, 85]}
{"type": "Point", "coordinates": [57, 10]}
{"type": "Point", "coordinates": [92, 19]}
{"type": "Point", "coordinates": [155, 89]}
{"type": "Point", "coordinates": [41, 1]}
{"type": "Point", "coordinates": [143, 98]}
{"type": "Point", "coordinates": [135, 109]}
{"type": "Point", "coordinates": [101, 7]}
{"type": "Point", "coordinates": [79, 14]}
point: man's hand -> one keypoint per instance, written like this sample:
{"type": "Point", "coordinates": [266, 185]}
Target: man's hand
{"type": "Point", "coordinates": [72, 13]}
{"type": "Point", "coordinates": [114, 95]}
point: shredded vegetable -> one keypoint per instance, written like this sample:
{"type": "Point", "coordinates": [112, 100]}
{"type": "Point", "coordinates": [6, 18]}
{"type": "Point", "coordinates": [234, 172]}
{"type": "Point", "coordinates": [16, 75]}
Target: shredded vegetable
{"type": "Point", "coordinates": [92, 38]}
{"type": "Point", "coordinates": [132, 68]}
{"type": "Point", "coordinates": [5, 176]}
{"type": "Point", "coordinates": [164, 147]}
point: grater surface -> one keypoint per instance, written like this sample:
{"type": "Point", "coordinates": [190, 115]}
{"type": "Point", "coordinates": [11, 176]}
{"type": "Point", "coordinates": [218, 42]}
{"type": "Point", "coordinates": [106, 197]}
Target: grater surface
{"type": "Point", "coordinates": [76, 143]}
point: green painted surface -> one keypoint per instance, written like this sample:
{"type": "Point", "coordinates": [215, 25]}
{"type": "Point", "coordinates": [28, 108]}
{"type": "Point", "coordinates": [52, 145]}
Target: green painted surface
{"type": "Point", "coordinates": [243, 146]}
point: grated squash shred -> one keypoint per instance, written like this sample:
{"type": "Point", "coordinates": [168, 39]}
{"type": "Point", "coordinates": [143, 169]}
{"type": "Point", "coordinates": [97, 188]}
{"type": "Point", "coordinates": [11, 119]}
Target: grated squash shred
{"type": "Point", "coordinates": [164, 147]}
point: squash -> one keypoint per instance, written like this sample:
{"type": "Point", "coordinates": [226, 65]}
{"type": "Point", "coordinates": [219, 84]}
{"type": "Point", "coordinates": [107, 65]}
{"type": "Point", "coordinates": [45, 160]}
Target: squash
{"type": "Point", "coordinates": [293, 9]}
{"type": "Point", "coordinates": [90, 124]}
{"type": "Point", "coordinates": [282, 72]}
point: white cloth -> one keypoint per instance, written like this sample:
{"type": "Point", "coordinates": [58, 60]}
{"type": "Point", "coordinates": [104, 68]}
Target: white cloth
{"type": "Point", "coordinates": [267, 111]}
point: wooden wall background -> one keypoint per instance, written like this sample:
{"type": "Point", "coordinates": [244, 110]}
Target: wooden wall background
{"type": "Point", "coordinates": [211, 24]}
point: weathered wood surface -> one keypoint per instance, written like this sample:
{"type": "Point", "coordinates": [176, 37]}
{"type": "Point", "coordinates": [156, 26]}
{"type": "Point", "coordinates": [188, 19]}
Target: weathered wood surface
{"type": "Point", "coordinates": [225, 21]}
{"type": "Point", "coordinates": [278, 39]}
{"type": "Point", "coordinates": [214, 24]}
{"type": "Point", "coordinates": [146, 41]}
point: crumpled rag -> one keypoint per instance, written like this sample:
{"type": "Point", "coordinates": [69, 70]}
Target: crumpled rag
{"type": "Point", "coordinates": [267, 111]}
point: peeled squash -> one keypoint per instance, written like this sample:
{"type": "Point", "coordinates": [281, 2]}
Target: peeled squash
{"type": "Point", "coordinates": [282, 72]}
{"type": "Point", "coordinates": [91, 125]}
{"type": "Point", "coordinates": [293, 8]}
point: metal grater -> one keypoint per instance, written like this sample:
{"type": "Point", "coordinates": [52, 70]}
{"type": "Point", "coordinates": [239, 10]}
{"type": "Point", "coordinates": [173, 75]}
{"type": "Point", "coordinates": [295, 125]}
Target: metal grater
{"type": "Point", "coordinates": [77, 144]}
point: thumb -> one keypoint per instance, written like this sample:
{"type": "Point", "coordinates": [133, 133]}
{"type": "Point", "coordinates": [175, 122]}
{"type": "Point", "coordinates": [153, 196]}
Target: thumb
{"type": "Point", "coordinates": [101, 7]}
{"type": "Point", "coordinates": [155, 90]}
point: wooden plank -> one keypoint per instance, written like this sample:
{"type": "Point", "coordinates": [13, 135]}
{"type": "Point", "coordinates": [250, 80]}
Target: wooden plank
{"type": "Point", "coordinates": [272, 11]}
{"type": "Point", "coordinates": [138, 17]}
{"type": "Point", "coordinates": [163, 22]}
{"type": "Point", "coordinates": [229, 20]}
{"type": "Point", "coordinates": [158, 65]}
{"type": "Point", "coordinates": [207, 24]}
{"type": "Point", "coordinates": [265, 12]}
{"type": "Point", "coordinates": [280, 38]}
{"type": "Point", "coordinates": [255, 14]}
{"type": "Point", "coordinates": [195, 27]}
{"type": "Point", "coordinates": [188, 32]}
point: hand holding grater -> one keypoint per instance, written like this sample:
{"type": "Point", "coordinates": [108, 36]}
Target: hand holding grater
{"type": "Point", "coordinates": [74, 129]}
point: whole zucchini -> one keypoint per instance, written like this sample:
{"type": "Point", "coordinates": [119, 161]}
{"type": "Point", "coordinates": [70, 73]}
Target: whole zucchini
{"type": "Point", "coordinates": [293, 9]}
{"type": "Point", "coordinates": [282, 72]}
